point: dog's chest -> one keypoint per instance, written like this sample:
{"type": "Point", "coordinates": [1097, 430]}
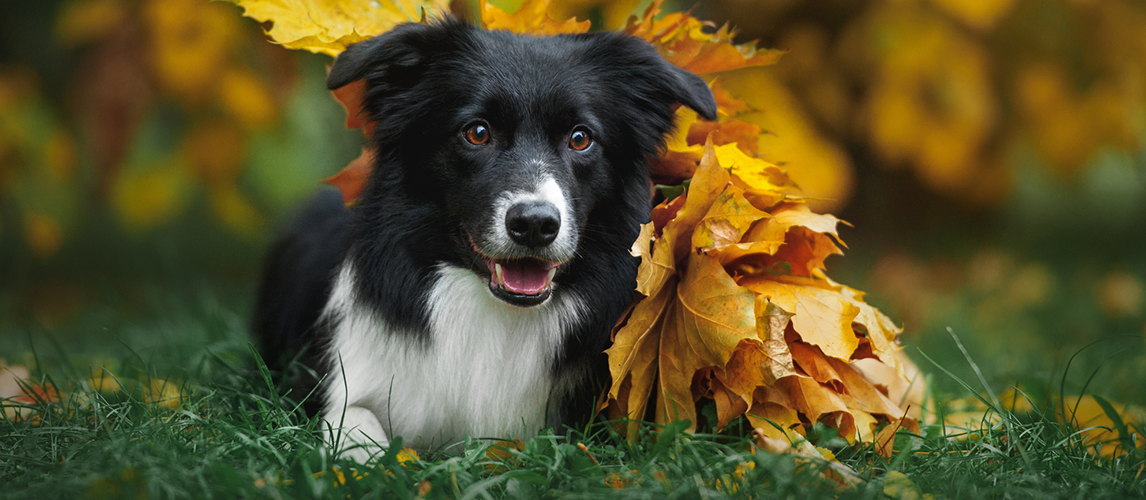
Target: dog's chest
{"type": "Point", "coordinates": [486, 370]}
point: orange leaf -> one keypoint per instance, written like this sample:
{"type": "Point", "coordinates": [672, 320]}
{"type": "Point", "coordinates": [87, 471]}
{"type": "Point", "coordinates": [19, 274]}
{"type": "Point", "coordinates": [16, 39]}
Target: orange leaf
{"type": "Point", "coordinates": [729, 131]}
{"type": "Point", "coordinates": [707, 184]}
{"type": "Point", "coordinates": [351, 181]}
{"type": "Point", "coordinates": [351, 97]}
{"type": "Point", "coordinates": [818, 403]}
{"type": "Point", "coordinates": [633, 356]}
{"type": "Point", "coordinates": [816, 365]}
{"type": "Point", "coordinates": [683, 41]}
{"type": "Point", "coordinates": [710, 318]}
{"type": "Point", "coordinates": [860, 394]}
{"type": "Point", "coordinates": [726, 102]}
{"type": "Point", "coordinates": [531, 18]}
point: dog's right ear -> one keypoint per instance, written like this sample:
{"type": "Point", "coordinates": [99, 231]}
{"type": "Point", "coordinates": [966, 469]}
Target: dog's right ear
{"type": "Point", "coordinates": [392, 57]}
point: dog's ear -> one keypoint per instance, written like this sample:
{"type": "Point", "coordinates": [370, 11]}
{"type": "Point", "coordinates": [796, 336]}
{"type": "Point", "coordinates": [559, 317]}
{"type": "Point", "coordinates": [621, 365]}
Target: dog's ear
{"type": "Point", "coordinates": [393, 57]}
{"type": "Point", "coordinates": [689, 90]}
{"type": "Point", "coordinates": [649, 75]}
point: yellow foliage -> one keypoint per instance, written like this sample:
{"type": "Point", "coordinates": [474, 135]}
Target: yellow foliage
{"type": "Point", "coordinates": [191, 42]}
{"type": "Point", "coordinates": [614, 13]}
{"type": "Point", "coordinates": [978, 14]}
{"type": "Point", "coordinates": [247, 98]}
{"type": "Point", "coordinates": [215, 151]}
{"type": "Point", "coordinates": [1100, 434]}
{"type": "Point", "coordinates": [328, 26]}
{"type": "Point", "coordinates": [42, 233]}
{"type": "Point", "coordinates": [83, 21]}
{"type": "Point", "coordinates": [147, 195]}
{"type": "Point", "coordinates": [931, 104]}
{"type": "Point", "coordinates": [821, 169]}
{"type": "Point", "coordinates": [235, 211]}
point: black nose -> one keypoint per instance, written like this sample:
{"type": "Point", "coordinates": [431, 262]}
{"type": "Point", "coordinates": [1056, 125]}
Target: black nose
{"type": "Point", "coordinates": [533, 223]}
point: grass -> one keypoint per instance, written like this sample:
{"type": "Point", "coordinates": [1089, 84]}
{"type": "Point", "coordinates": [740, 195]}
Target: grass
{"type": "Point", "coordinates": [190, 415]}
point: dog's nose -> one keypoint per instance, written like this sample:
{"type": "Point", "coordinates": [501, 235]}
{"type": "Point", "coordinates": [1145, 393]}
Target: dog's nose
{"type": "Point", "coordinates": [533, 224]}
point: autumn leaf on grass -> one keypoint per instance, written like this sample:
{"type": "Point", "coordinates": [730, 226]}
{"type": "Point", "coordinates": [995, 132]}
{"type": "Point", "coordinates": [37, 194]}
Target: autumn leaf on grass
{"type": "Point", "coordinates": [705, 323]}
{"type": "Point", "coordinates": [738, 310]}
{"type": "Point", "coordinates": [18, 390]}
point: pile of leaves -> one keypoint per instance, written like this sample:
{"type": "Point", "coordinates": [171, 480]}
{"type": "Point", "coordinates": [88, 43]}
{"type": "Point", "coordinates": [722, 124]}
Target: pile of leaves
{"type": "Point", "coordinates": [737, 308]}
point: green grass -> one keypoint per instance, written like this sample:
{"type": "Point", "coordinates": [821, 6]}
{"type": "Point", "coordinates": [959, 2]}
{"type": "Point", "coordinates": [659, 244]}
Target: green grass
{"type": "Point", "coordinates": [231, 434]}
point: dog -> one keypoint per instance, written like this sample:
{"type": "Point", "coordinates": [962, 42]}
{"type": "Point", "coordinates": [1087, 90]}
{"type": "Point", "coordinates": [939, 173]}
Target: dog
{"type": "Point", "coordinates": [472, 288]}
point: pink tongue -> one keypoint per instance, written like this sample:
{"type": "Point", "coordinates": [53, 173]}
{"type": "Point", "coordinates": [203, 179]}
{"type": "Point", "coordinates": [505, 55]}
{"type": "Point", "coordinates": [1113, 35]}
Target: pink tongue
{"type": "Point", "coordinates": [525, 277]}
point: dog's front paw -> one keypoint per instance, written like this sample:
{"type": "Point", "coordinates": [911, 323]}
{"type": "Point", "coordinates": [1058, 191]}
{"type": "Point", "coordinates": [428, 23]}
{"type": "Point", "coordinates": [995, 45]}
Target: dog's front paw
{"type": "Point", "coordinates": [361, 436]}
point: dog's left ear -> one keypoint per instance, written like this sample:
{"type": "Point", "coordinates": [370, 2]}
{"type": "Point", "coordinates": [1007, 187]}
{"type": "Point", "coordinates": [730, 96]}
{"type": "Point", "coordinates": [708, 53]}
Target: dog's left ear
{"type": "Point", "coordinates": [689, 90]}
{"type": "Point", "coordinates": [394, 57]}
{"type": "Point", "coordinates": [650, 76]}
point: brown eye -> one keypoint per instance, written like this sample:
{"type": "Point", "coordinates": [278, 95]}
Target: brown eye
{"type": "Point", "coordinates": [580, 139]}
{"type": "Point", "coordinates": [477, 133]}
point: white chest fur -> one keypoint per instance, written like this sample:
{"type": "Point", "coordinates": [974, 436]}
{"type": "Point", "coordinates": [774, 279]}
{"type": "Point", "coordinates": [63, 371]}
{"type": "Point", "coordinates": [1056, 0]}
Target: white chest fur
{"type": "Point", "coordinates": [485, 372]}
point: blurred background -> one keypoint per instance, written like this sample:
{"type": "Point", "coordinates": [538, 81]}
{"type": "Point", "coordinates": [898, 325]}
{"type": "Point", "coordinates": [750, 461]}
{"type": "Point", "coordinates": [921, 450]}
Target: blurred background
{"type": "Point", "coordinates": [988, 153]}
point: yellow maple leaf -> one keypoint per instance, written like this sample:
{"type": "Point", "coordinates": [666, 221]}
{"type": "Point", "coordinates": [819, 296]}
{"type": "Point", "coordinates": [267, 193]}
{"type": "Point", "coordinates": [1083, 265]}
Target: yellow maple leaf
{"type": "Point", "coordinates": [329, 26]}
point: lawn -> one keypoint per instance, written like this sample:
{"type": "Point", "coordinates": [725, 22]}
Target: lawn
{"type": "Point", "coordinates": [161, 395]}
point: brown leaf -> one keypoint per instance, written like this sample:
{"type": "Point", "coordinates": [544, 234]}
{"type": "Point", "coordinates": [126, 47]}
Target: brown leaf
{"type": "Point", "coordinates": [810, 359]}
{"type": "Point", "coordinates": [633, 356]}
{"type": "Point", "coordinates": [351, 181]}
{"type": "Point", "coordinates": [351, 97]}
{"type": "Point", "coordinates": [818, 403]}
{"type": "Point", "coordinates": [729, 131]}
{"type": "Point", "coordinates": [657, 261]}
{"type": "Point", "coordinates": [707, 184]}
{"type": "Point", "coordinates": [711, 316]}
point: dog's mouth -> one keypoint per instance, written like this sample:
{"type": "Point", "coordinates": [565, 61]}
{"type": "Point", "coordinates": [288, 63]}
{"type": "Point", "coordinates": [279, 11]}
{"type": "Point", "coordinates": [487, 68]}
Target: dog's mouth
{"type": "Point", "coordinates": [521, 282]}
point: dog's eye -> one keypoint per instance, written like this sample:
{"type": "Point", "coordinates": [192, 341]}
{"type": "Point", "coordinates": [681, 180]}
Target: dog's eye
{"type": "Point", "coordinates": [580, 139]}
{"type": "Point", "coordinates": [477, 133]}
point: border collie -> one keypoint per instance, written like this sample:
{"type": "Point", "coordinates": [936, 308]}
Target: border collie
{"type": "Point", "coordinates": [472, 287]}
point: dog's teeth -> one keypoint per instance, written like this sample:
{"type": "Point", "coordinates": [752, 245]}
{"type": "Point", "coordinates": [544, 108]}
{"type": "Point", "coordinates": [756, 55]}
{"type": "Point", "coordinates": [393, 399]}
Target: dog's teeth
{"type": "Point", "coordinates": [552, 273]}
{"type": "Point", "coordinates": [497, 270]}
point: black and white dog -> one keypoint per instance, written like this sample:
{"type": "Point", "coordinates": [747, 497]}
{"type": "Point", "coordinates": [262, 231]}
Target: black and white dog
{"type": "Point", "coordinates": [472, 288]}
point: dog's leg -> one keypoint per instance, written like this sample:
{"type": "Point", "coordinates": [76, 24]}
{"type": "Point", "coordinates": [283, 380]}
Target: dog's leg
{"type": "Point", "coordinates": [362, 436]}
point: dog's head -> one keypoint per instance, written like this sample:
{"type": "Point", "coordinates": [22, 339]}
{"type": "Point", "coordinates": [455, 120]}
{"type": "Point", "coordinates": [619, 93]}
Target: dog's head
{"type": "Point", "coordinates": [518, 141]}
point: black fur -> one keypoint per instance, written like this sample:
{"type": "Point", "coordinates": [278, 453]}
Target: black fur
{"type": "Point", "coordinates": [426, 197]}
